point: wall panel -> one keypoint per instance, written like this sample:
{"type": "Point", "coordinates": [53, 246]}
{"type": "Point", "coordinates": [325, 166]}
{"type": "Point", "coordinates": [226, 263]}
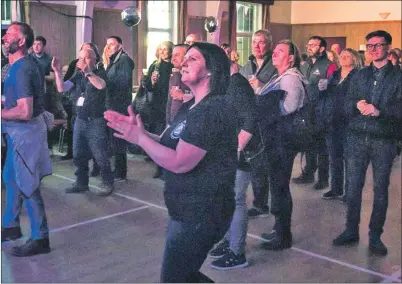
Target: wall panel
{"type": "Point", "coordinates": [108, 23]}
{"type": "Point", "coordinates": [58, 30]}
{"type": "Point", "coordinates": [354, 32]}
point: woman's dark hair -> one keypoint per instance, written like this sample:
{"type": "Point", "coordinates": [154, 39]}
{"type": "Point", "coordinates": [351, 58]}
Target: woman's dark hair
{"type": "Point", "coordinates": [304, 57]}
{"type": "Point", "coordinates": [217, 63]}
{"type": "Point", "coordinates": [293, 50]}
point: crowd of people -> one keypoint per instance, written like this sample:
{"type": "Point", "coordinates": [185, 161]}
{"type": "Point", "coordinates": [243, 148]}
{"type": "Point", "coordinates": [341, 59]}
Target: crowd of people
{"type": "Point", "coordinates": [212, 127]}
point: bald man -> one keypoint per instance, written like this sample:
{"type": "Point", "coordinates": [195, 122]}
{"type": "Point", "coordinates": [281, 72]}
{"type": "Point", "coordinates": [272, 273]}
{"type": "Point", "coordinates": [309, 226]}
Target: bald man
{"type": "Point", "coordinates": [191, 38]}
{"type": "Point", "coordinates": [88, 87]}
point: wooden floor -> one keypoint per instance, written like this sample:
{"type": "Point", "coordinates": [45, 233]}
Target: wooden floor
{"type": "Point", "coordinates": [120, 238]}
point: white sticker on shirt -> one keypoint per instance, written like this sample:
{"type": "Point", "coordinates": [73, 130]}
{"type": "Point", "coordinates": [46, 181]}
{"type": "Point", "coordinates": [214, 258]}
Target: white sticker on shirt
{"type": "Point", "coordinates": [175, 134]}
{"type": "Point", "coordinates": [80, 101]}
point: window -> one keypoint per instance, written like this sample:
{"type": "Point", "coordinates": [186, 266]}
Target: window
{"type": "Point", "coordinates": [161, 20]}
{"type": "Point", "coordinates": [249, 20]}
{"type": "Point", "coordinates": [5, 12]}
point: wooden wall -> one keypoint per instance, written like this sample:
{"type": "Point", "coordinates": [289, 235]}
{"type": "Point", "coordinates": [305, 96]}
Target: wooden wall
{"type": "Point", "coordinates": [280, 32]}
{"type": "Point", "coordinates": [58, 30]}
{"type": "Point", "coordinates": [354, 32]}
{"type": "Point", "coordinates": [108, 23]}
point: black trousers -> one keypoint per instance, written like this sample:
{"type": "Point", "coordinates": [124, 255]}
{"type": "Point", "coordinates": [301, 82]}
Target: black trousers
{"type": "Point", "coordinates": [318, 159]}
{"type": "Point", "coordinates": [360, 151]}
{"type": "Point", "coordinates": [260, 180]}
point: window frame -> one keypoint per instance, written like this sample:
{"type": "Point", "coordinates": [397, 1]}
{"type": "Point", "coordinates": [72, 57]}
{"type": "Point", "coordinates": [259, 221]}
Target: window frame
{"type": "Point", "coordinates": [171, 30]}
{"type": "Point", "coordinates": [257, 24]}
{"type": "Point", "coordinates": [4, 12]}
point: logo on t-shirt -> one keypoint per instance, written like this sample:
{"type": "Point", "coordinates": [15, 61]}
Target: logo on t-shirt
{"type": "Point", "coordinates": [175, 134]}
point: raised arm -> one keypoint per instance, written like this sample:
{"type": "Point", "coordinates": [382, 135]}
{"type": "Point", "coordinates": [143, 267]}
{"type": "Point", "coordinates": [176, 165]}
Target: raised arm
{"type": "Point", "coordinates": [61, 85]}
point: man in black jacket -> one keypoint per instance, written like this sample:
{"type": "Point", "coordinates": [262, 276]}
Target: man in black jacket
{"type": "Point", "coordinates": [120, 85]}
{"type": "Point", "coordinates": [259, 70]}
{"type": "Point", "coordinates": [318, 71]}
{"type": "Point", "coordinates": [374, 108]}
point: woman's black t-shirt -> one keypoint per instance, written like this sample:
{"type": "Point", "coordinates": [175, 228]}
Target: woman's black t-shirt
{"type": "Point", "coordinates": [205, 192]}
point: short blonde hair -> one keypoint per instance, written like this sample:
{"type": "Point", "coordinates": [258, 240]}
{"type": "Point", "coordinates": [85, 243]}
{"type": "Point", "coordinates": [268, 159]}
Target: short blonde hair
{"type": "Point", "coordinates": [357, 62]}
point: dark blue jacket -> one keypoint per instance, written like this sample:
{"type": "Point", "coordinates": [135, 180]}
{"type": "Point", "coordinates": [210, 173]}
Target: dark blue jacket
{"type": "Point", "coordinates": [387, 99]}
{"type": "Point", "coordinates": [331, 103]}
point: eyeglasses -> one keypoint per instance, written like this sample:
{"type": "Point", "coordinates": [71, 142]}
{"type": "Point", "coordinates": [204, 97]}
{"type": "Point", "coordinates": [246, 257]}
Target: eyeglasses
{"type": "Point", "coordinates": [375, 46]}
{"type": "Point", "coordinates": [311, 45]}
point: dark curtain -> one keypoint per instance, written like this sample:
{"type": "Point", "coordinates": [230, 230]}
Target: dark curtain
{"type": "Point", "coordinates": [232, 24]}
{"type": "Point", "coordinates": [182, 11]}
{"type": "Point", "coordinates": [141, 36]}
{"type": "Point", "coordinates": [265, 16]}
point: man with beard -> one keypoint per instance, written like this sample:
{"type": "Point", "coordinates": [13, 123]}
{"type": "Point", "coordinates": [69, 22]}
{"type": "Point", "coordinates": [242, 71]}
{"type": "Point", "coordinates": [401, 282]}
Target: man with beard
{"type": "Point", "coordinates": [120, 88]}
{"type": "Point", "coordinates": [27, 160]}
{"type": "Point", "coordinates": [317, 71]}
{"type": "Point", "coordinates": [258, 71]}
{"type": "Point", "coordinates": [374, 110]}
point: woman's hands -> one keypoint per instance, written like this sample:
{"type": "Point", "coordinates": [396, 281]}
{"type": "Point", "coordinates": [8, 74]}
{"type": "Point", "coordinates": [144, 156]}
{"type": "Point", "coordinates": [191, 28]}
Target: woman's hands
{"type": "Point", "coordinates": [129, 128]}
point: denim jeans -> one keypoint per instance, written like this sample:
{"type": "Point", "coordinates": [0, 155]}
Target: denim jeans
{"type": "Point", "coordinates": [260, 181]}
{"type": "Point", "coordinates": [14, 198]}
{"type": "Point", "coordinates": [236, 235]}
{"type": "Point", "coordinates": [336, 140]}
{"type": "Point", "coordinates": [361, 149]}
{"type": "Point", "coordinates": [91, 140]}
{"type": "Point", "coordinates": [187, 247]}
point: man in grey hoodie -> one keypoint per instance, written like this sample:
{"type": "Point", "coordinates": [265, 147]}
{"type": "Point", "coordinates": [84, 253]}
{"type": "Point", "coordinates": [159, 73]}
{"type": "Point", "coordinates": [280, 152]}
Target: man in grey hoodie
{"type": "Point", "coordinates": [259, 70]}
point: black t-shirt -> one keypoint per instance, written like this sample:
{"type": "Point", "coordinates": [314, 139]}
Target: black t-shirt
{"type": "Point", "coordinates": [205, 192]}
{"type": "Point", "coordinates": [94, 99]}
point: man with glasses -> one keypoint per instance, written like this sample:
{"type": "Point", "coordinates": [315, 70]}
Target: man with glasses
{"type": "Point", "coordinates": [258, 71]}
{"type": "Point", "coordinates": [374, 110]}
{"type": "Point", "coordinates": [317, 70]}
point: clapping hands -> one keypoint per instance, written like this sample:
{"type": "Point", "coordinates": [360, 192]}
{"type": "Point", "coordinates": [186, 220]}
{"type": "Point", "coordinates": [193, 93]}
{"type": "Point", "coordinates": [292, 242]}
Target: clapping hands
{"type": "Point", "coordinates": [129, 128]}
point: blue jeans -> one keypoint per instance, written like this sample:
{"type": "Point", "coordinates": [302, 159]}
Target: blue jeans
{"type": "Point", "coordinates": [91, 140]}
{"type": "Point", "coordinates": [336, 140]}
{"type": "Point", "coordinates": [187, 247]}
{"type": "Point", "coordinates": [14, 198]}
{"type": "Point", "coordinates": [237, 232]}
{"type": "Point", "coordinates": [361, 149]}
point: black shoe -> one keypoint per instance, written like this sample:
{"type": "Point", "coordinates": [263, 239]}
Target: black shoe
{"type": "Point", "coordinates": [346, 238]}
{"type": "Point", "coordinates": [220, 250]}
{"type": "Point", "coordinates": [230, 261]}
{"type": "Point", "coordinates": [158, 173]}
{"type": "Point", "coordinates": [331, 195]}
{"type": "Point", "coordinates": [147, 159]}
{"type": "Point", "coordinates": [343, 199]}
{"type": "Point", "coordinates": [303, 178]}
{"type": "Point", "coordinates": [320, 185]}
{"type": "Point", "coordinates": [277, 243]}
{"type": "Point", "coordinates": [10, 234]}
{"type": "Point", "coordinates": [258, 212]}
{"type": "Point", "coordinates": [75, 188]}
{"type": "Point", "coordinates": [95, 172]}
{"type": "Point", "coordinates": [66, 157]}
{"type": "Point", "coordinates": [377, 247]}
{"type": "Point", "coordinates": [32, 247]}
{"type": "Point", "coordinates": [269, 236]}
